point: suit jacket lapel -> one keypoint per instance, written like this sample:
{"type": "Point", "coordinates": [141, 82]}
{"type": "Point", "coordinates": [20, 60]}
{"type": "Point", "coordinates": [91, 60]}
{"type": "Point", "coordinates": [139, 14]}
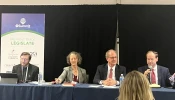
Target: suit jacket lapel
{"type": "Point", "coordinates": [117, 72]}
{"type": "Point", "coordinates": [159, 74]}
{"type": "Point", "coordinates": [70, 74]}
{"type": "Point", "coordinates": [20, 72]}
{"type": "Point", "coordinates": [105, 71]}
{"type": "Point", "coordinates": [29, 72]}
{"type": "Point", "coordinates": [80, 78]}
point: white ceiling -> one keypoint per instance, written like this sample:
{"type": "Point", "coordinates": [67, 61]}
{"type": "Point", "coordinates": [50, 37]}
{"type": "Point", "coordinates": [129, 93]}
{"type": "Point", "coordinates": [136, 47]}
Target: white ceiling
{"type": "Point", "coordinates": [78, 2]}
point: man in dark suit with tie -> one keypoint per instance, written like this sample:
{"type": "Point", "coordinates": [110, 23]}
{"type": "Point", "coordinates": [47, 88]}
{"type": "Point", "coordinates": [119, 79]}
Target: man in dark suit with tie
{"type": "Point", "coordinates": [25, 71]}
{"type": "Point", "coordinates": [156, 74]}
{"type": "Point", "coordinates": [108, 74]}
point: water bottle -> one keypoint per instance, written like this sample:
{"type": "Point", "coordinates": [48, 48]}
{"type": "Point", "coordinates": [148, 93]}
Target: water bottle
{"type": "Point", "coordinates": [121, 79]}
{"type": "Point", "coordinates": [39, 79]}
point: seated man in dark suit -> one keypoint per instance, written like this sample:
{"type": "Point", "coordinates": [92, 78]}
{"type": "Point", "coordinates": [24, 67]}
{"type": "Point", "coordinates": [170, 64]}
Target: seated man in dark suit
{"type": "Point", "coordinates": [108, 74]}
{"type": "Point", "coordinates": [156, 74]}
{"type": "Point", "coordinates": [25, 71]}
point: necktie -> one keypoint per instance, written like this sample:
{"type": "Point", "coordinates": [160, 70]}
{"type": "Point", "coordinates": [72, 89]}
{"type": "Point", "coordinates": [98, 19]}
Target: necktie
{"type": "Point", "coordinates": [153, 77]}
{"type": "Point", "coordinates": [110, 73]}
{"type": "Point", "coordinates": [24, 73]}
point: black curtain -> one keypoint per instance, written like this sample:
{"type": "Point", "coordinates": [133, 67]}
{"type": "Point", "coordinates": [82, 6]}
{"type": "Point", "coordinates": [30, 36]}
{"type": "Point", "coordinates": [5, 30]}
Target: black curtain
{"type": "Point", "coordinates": [143, 28]}
{"type": "Point", "coordinates": [91, 30]}
{"type": "Point", "coordinates": [88, 29]}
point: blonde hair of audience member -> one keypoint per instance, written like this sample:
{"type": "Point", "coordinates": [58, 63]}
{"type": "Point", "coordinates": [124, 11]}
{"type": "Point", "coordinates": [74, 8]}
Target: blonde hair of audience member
{"type": "Point", "coordinates": [135, 87]}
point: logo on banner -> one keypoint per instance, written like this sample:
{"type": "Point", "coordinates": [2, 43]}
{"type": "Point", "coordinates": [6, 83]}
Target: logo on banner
{"type": "Point", "coordinates": [23, 20]}
{"type": "Point", "coordinates": [33, 54]}
{"type": "Point", "coordinates": [23, 25]}
{"type": "Point", "coordinates": [12, 55]}
{"type": "Point", "coordinates": [9, 65]}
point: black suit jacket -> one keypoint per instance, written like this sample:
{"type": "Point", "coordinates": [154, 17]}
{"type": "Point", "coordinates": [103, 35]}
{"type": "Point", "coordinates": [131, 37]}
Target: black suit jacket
{"type": "Point", "coordinates": [32, 72]}
{"type": "Point", "coordinates": [162, 73]}
{"type": "Point", "coordinates": [102, 70]}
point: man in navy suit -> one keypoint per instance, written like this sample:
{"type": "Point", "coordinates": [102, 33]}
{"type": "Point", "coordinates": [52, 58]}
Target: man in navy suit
{"type": "Point", "coordinates": [108, 74]}
{"type": "Point", "coordinates": [26, 72]}
{"type": "Point", "coordinates": [156, 74]}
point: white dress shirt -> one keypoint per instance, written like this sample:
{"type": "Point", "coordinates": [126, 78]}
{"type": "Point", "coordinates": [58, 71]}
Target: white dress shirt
{"type": "Point", "coordinates": [113, 74]}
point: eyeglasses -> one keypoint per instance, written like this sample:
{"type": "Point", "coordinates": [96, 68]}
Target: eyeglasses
{"type": "Point", "coordinates": [112, 57]}
{"type": "Point", "coordinates": [24, 59]}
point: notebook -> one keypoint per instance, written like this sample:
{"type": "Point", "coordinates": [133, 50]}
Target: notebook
{"type": "Point", "coordinates": [8, 78]}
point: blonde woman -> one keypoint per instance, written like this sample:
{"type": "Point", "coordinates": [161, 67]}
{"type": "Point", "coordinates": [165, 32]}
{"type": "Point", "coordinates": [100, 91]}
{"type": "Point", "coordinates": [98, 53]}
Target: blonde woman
{"type": "Point", "coordinates": [73, 73]}
{"type": "Point", "coordinates": [135, 87]}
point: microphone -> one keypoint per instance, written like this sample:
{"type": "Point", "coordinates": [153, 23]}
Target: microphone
{"type": "Point", "coordinates": [150, 67]}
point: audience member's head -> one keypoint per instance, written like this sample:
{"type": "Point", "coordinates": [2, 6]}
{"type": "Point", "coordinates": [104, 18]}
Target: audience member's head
{"type": "Point", "coordinates": [135, 87]}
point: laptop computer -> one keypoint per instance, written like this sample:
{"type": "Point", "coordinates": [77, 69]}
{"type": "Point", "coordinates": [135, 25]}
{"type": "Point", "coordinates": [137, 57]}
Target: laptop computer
{"type": "Point", "coordinates": [8, 78]}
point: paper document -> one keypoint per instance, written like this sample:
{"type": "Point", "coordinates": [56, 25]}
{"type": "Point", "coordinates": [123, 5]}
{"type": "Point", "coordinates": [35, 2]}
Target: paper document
{"type": "Point", "coordinates": [104, 86]}
{"type": "Point", "coordinates": [94, 86]}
